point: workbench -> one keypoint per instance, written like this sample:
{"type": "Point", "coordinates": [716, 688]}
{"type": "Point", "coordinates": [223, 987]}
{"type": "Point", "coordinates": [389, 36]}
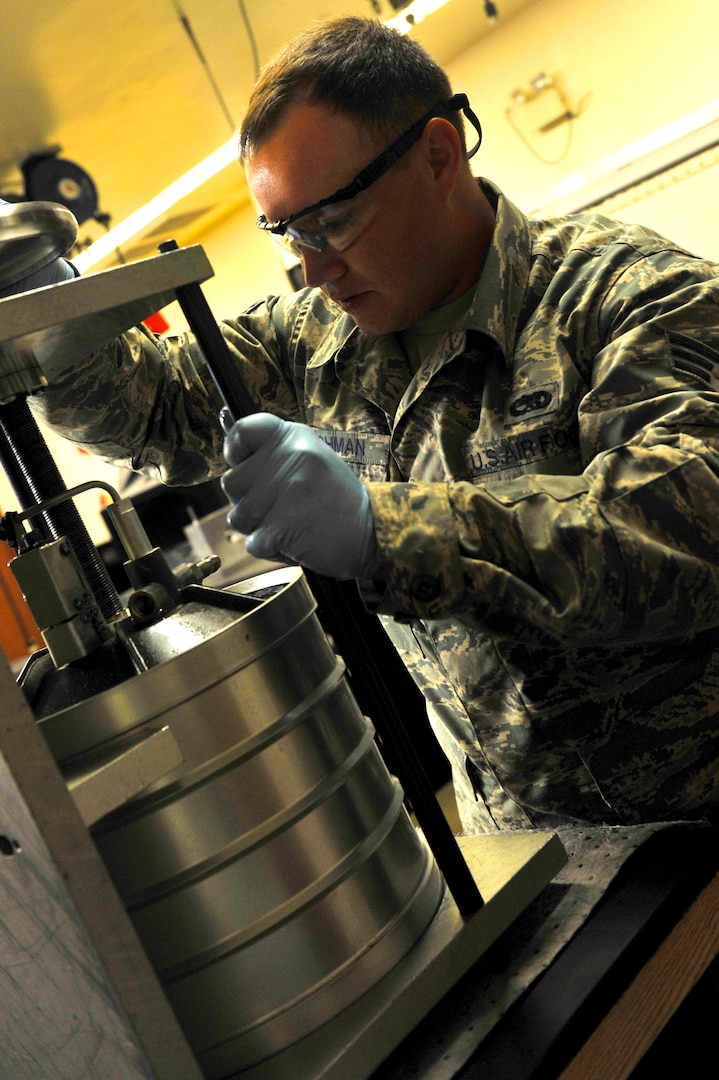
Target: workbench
{"type": "Point", "coordinates": [591, 974]}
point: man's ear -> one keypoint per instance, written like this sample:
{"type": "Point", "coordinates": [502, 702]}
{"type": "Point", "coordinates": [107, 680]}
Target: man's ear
{"type": "Point", "coordinates": [443, 147]}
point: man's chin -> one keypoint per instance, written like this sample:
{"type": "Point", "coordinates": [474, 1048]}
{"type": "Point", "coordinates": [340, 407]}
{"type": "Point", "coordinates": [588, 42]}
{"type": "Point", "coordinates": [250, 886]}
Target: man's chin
{"type": "Point", "coordinates": [372, 315]}
{"type": "Point", "coordinates": [376, 321]}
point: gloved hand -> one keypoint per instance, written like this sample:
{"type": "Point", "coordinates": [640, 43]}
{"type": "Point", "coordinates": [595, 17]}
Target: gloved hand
{"type": "Point", "coordinates": [58, 270]}
{"type": "Point", "coordinates": [297, 501]}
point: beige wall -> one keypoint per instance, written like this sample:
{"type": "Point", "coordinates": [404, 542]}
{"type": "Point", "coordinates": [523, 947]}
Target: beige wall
{"type": "Point", "coordinates": [247, 265]}
{"type": "Point", "coordinates": [644, 63]}
{"type": "Point", "coordinates": [638, 66]}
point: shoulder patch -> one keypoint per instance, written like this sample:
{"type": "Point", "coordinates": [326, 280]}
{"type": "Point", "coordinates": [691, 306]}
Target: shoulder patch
{"type": "Point", "coordinates": [532, 402]}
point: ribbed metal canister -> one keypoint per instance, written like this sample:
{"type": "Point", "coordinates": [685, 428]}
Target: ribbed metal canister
{"type": "Point", "coordinates": [275, 876]}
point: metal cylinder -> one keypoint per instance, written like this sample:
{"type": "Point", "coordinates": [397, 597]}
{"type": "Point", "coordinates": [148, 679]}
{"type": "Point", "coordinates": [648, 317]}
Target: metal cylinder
{"type": "Point", "coordinates": [275, 876]}
{"type": "Point", "coordinates": [32, 235]}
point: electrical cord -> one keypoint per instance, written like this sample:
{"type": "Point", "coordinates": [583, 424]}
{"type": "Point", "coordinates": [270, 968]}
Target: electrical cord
{"type": "Point", "coordinates": [547, 161]}
{"type": "Point", "coordinates": [187, 27]}
{"type": "Point", "coordinates": [569, 116]}
{"type": "Point", "coordinates": [250, 37]}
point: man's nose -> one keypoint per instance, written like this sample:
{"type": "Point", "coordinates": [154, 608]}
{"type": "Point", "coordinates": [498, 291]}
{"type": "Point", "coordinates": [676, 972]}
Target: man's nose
{"type": "Point", "coordinates": [321, 266]}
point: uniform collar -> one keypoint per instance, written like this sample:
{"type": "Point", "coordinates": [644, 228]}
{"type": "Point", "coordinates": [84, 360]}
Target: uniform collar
{"type": "Point", "coordinates": [499, 294]}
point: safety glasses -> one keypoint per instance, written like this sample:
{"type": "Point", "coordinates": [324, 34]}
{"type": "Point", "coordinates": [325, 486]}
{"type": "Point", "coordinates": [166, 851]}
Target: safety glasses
{"type": "Point", "coordinates": [337, 221]}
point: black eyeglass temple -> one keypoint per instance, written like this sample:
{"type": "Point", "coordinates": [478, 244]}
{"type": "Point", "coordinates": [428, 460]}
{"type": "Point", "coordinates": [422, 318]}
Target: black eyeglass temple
{"type": "Point", "coordinates": [458, 103]}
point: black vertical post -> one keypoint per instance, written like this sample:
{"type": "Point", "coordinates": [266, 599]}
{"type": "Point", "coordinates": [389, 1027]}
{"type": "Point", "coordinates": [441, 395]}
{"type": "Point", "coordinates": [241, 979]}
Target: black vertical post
{"type": "Point", "coordinates": [373, 664]}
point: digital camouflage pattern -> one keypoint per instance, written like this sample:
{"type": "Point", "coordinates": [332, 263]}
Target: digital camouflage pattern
{"type": "Point", "coordinates": [546, 497]}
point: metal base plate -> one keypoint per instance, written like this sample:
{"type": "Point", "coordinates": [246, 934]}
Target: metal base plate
{"type": "Point", "coordinates": [47, 330]}
{"type": "Point", "coordinates": [510, 870]}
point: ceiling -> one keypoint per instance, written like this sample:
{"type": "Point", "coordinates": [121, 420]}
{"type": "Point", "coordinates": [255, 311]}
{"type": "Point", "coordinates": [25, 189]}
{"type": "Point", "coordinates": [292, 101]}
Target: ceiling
{"type": "Point", "coordinates": [128, 98]}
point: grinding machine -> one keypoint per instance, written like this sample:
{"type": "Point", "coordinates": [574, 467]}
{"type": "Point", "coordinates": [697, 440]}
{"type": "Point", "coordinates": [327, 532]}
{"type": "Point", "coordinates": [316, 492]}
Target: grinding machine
{"type": "Point", "coordinates": [299, 922]}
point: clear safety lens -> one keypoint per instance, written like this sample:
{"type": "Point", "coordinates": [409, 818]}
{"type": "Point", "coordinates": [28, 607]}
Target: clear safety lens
{"type": "Point", "coordinates": [335, 226]}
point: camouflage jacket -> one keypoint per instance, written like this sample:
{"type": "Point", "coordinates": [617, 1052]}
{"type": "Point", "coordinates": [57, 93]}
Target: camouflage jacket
{"type": "Point", "coordinates": [546, 494]}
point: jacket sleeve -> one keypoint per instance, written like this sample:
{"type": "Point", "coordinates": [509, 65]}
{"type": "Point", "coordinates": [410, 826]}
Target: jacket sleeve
{"type": "Point", "coordinates": [626, 551]}
{"type": "Point", "coordinates": [150, 404]}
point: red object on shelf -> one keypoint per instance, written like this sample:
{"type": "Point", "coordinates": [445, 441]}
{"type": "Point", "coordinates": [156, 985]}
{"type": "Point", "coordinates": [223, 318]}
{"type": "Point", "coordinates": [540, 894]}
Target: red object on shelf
{"type": "Point", "coordinates": [157, 323]}
{"type": "Point", "coordinates": [19, 634]}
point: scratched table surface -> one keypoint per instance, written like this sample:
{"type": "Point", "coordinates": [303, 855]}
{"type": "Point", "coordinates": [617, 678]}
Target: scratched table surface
{"type": "Point", "coordinates": [444, 1043]}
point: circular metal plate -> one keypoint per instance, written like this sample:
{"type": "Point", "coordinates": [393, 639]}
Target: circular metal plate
{"type": "Point", "coordinates": [32, 235]}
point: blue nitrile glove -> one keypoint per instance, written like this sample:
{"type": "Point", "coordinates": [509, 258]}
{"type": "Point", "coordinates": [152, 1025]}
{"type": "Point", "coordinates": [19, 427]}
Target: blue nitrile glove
{"type": "Point", "coordinates": [297, 501]}
{"type": "Point", "coordinates": [58, 270]}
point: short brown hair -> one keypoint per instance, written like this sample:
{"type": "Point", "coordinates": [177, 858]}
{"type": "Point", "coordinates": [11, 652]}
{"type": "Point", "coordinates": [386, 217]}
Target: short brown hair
{"type": "Point", "coordinates": [355, 65]}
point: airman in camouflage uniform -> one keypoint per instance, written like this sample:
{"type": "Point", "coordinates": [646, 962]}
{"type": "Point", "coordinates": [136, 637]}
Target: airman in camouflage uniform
{"type": "Point", "coordinates": [544, 483]}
